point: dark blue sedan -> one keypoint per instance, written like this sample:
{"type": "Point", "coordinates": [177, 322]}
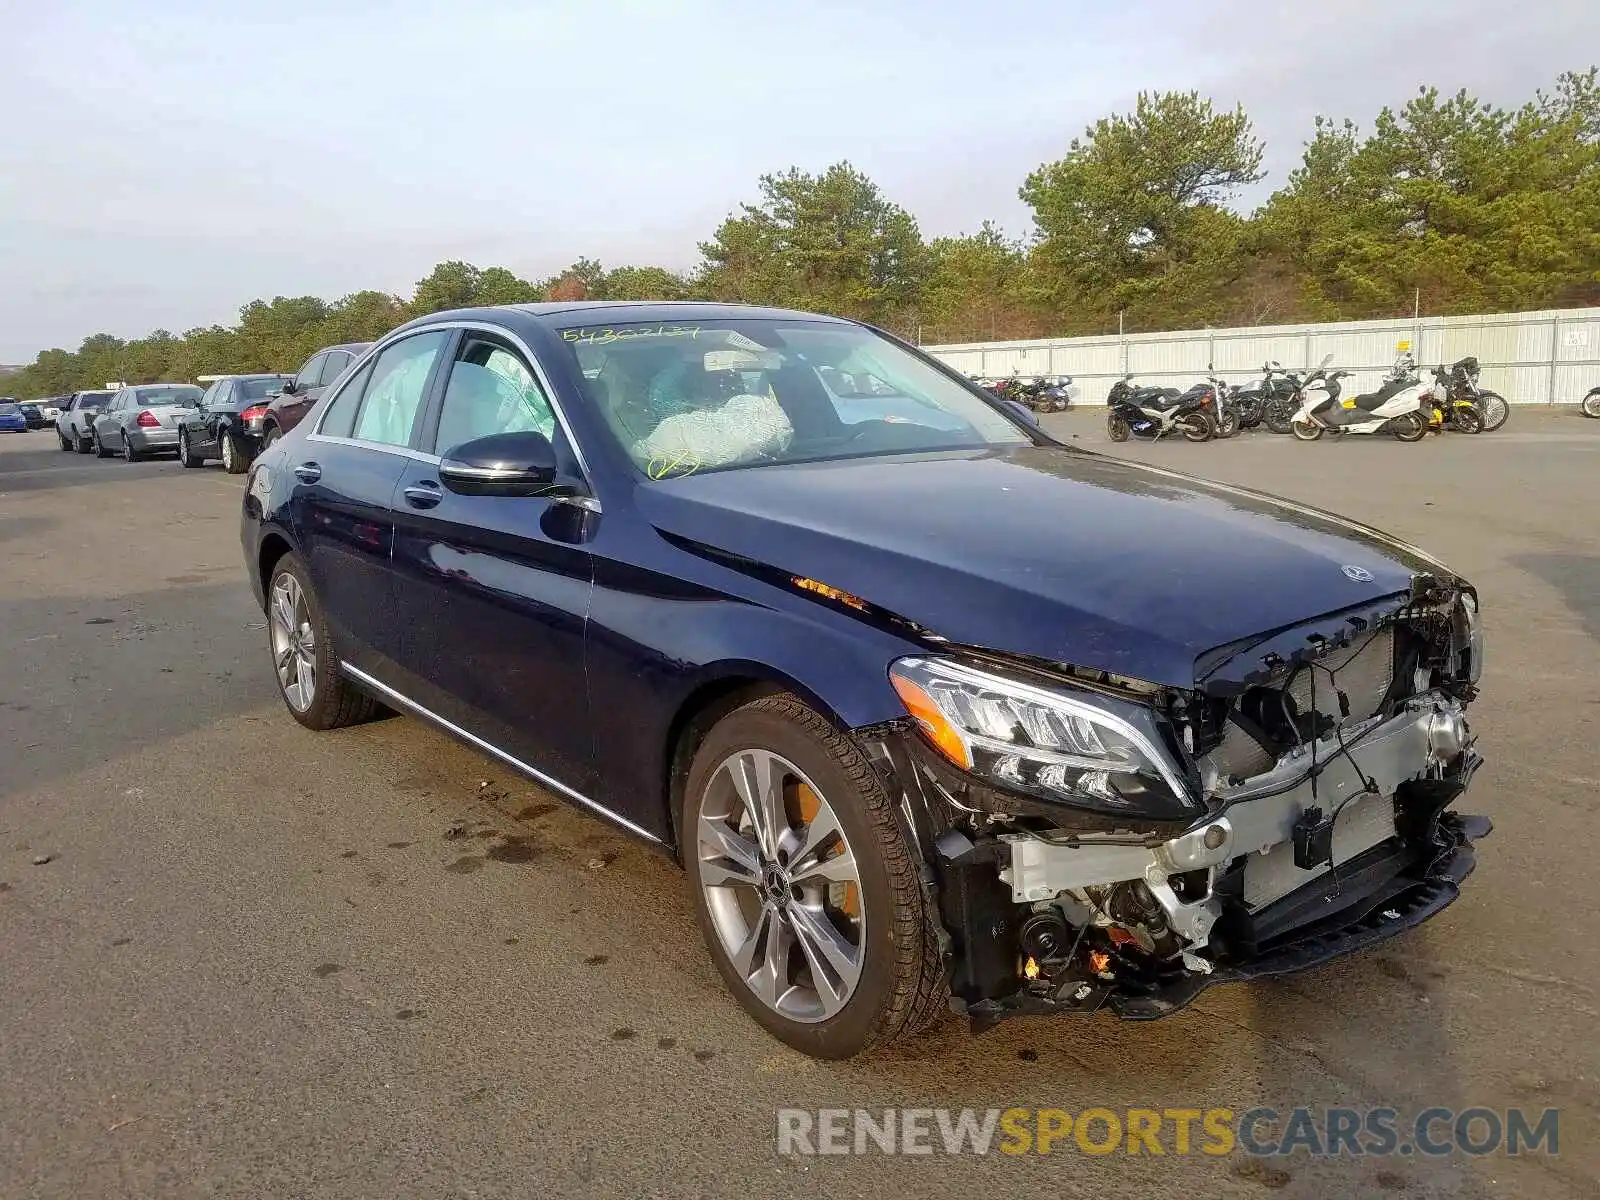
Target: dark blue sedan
{"type": "Point", "coordinates": [11, 418]}
{"type": "Point", "coordinates": [935, 711]}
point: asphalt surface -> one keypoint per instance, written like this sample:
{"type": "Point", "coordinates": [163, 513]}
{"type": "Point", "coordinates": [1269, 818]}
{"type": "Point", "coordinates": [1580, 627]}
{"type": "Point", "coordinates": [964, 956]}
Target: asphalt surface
{"type": "Point", "coordinates": [261, 961]}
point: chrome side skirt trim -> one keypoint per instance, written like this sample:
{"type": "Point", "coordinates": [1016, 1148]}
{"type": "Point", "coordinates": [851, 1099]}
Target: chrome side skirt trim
{"type": "Point", "coordinates": [388, 693]}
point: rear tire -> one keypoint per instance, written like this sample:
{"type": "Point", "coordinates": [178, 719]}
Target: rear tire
{"type": "Point", "coordinates": [66, 442]}
{"type": "Point", "coordinates": [129, 454]}
{"type": "Point", "coordinates": [1305, 431]}
{"type": "Point", "coordinates": [334, 700]}
{"type": "Point", "coordinates": [1197, 427]}
{"type": "Point", "coordinates": [1117, 428]}
{"type": "Point", "coordinates": [881, 924]}
{"type": "Point", "coordinates": [1411, 427]}
{"type": "Point", "coordinates": [271, 435]}
{"type": "Point", "coordinates": [1591, 404]}
{"type": "Point", "coordinates": [235, 461]}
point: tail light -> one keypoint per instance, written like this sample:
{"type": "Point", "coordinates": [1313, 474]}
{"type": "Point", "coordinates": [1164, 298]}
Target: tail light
{"type": "Point", "coordinates": [252, 415]}
{"type": "Point", "coordinates": [147, 420]}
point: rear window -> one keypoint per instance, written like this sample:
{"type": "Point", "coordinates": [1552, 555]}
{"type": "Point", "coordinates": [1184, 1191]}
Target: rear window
{"type": "Point", "coordinates": [155, 397]}
{"type": "Point", "coordinates": [258, 389]}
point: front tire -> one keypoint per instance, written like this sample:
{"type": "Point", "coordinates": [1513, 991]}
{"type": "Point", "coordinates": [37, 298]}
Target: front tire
{"type": "Point", "coordinates": [1591, 404]}
{"type": "Point", "coordinates": [1117, 428]}
{"type": "Point", "coordinates": [807, 885]}
{"type": "Point", "coordinates": [1411, 427]}
{"type": "Point", "coordinates": [1469, 420]}
{"type": "Point", "coordinates": [100, 450]}
{"type": "Point", "coordinates": [1494, 409]}
{"type": "Point", "coordinates": [1305, 431]}
{"type": "Point", "coordinates": [1228, 425]}
{"type": "Point", "coordinates": [1278, 417]}
{"type": "Point", "coordinates": [303, 659]}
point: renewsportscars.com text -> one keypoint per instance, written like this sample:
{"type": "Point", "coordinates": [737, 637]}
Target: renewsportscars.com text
{"type": "Point", "coordinates": [1264, 1132]}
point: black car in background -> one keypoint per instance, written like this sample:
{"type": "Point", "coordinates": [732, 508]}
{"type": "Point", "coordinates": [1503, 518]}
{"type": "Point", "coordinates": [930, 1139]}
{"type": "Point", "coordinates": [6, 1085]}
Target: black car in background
{"type": "Point", "coordinates": [306, 388]}
{"type": "Point", "coordinates": [227, 425]}
{"type": "Point", "coordinates": [75, 425]}
{"type": "Point", "coordinates": [32, 414]}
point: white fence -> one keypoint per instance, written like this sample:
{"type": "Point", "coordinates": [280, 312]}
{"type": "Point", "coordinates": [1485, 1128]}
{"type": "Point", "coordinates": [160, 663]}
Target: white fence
{"type": "Point", "coordinates": [1550, 357]}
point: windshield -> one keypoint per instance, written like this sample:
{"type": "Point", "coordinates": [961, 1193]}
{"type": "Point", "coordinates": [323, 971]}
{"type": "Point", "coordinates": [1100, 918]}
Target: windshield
{"type": "Point", "coordinates": [10, 410]}
{"type": "Point", "coordinates": [93, 400]}
{"type": "Point", "coordinates": [258, 389]}
{"type": "Point", "coordinates": [716, 395]}
{"type": "Point", "coordinates": [186, 395]}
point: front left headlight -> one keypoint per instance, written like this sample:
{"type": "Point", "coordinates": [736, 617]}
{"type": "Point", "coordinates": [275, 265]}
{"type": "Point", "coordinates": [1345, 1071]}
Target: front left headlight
{"type": "Point", "coordinates": [1072, 747]}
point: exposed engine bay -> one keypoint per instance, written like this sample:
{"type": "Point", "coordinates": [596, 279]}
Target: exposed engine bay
{"type": "Point", "coordinates": [1297, 812]}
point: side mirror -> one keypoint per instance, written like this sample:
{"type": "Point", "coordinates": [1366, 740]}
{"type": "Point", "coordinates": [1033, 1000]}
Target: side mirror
{"type": "Point", "coordinates": [503, 464]}
{"type": "Point", "coordinates": [1022, 410]}
{"type": "Point", "coordinates": [288, 388]}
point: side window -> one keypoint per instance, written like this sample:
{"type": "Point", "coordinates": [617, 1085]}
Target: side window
{"type": "Point", "coordinates": [491, 390]}
{"type": "Point", "coordinates": [394, 393]}
{"type": "Point", "coordinates": [209, 397]}
{"type": "Point", "coordinates": [224, 390]}
{"type": "Point", "coordinates": [340, 419]}
{"type": "Point", "coordinates": [308, 373]}
{"type": "Point", "coordinates": [333, 366]}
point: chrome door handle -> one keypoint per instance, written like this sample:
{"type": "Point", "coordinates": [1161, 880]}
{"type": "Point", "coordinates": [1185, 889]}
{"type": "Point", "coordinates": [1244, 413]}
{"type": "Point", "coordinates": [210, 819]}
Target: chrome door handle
{"type": "Point", "coordinates": [423, 495]}
{"type": "Point", "coordinates": [308, 472]}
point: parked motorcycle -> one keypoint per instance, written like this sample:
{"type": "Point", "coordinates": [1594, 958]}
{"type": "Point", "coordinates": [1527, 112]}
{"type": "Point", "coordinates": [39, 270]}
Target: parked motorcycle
{"type": "Point", "coordinates": [1282, 392]}
{"type": "Point", "coordinates": [1398, 407]}
{"type": "Point", "coordinates": [1448, 409]}
{"type": "Point", "coordinates": [1224, 412]}
{"type": "Point", "coordinates": [1460, 386]}
{"type": "Point", "coordinates": [1154, 412]}
{"type": "Point", "coordinates": [1591, 403]}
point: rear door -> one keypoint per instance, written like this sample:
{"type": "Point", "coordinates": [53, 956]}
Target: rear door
{"type": "Point", "coordinates": [493, 591]}
{"type": "Point", "coordinates": [203, 430]}
{"type": "Point", "coordinates": [344, 478]}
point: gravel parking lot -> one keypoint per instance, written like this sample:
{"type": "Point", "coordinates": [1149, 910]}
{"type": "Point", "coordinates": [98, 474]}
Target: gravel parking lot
{"type": "Point", "coordinates": [372, 963]}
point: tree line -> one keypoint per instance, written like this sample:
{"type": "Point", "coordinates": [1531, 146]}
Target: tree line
{"type": "Point", "coordinates": [1450, 203]}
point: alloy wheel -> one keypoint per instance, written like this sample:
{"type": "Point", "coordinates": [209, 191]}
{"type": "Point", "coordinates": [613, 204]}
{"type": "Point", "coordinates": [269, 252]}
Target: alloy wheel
{"type": "Point", "coordinates": [228, 453]}
{"type": "Point", "coordinates": [294, 648]}
{"type": "Point", "coordinates": [781, 885]}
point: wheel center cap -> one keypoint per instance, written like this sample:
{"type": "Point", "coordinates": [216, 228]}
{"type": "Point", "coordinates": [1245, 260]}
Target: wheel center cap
{"type": "Point", "coordinates": [775, 883]}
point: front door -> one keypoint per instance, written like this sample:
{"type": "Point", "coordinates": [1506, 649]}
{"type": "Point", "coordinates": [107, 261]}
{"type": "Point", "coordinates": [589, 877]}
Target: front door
{"type": "Point", "coordinates": [492, 592]}
{"type": "Point", "coordinates": [345, 477]}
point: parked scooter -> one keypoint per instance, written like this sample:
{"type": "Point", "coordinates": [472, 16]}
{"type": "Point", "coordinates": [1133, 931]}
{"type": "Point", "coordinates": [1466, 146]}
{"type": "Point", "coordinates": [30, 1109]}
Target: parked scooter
{"type": "Point", "coordinates": [1154, 412]}
{"type": "Point", "coordinates": [1397, 407]}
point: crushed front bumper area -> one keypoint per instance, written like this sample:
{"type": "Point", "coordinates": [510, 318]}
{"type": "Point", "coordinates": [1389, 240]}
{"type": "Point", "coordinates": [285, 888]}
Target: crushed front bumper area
{"type": "Point", "coordinates": [1373, 903]}
{"type": "Point", "coordinates": [1140, 923]}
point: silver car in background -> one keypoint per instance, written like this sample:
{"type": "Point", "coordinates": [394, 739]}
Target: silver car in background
{"type": "Point", "coordinates": [143, 419]}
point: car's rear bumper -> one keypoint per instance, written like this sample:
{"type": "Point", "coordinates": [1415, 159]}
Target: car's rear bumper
{"type": "Point", "coordinates": [153, 439]}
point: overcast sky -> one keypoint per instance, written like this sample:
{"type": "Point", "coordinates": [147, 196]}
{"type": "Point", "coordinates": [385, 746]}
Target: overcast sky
{"type": "Point", "coordinates": [164, 162]}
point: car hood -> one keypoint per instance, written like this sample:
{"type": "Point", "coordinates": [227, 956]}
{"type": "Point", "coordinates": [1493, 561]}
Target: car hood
{"type": "Point", "coordinates": [1046, 552]}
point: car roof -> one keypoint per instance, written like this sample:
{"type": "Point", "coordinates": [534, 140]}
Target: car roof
{"type": "Point", "coordinates": [661, 310]}
{"type": "Point", "coordinates": [357, 347]}
{"type": "Point", "coordinates": [139, 387]}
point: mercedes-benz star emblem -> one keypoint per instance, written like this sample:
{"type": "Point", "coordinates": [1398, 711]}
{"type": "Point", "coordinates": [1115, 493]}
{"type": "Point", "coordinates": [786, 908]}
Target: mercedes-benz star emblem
{"type": "Point", "coordinates": [1359, 574]}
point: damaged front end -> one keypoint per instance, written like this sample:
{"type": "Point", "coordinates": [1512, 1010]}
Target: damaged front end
{"type": "Point", "coordinates": [1099, 842]}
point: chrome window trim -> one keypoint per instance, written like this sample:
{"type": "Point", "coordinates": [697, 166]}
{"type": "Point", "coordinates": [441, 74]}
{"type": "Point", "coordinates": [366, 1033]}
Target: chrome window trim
{"type": "Point", "coordinates": [404, 701]}
{"type": "Point", "coordinates": [539, 373]}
